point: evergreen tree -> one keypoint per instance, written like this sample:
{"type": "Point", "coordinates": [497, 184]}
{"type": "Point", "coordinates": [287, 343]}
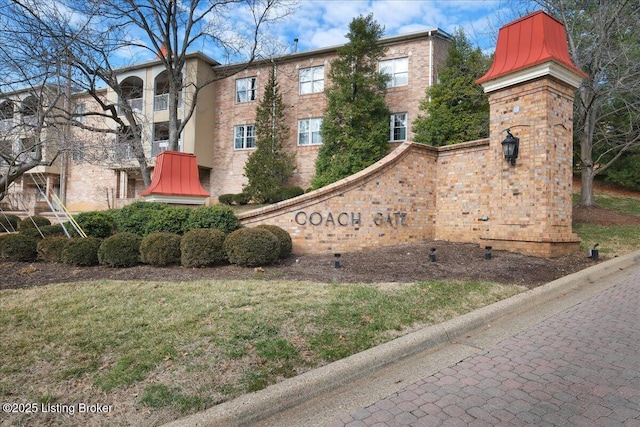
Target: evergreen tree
{"type": "Point", "coordinates": [269, 167]}
{"type": "Point", "coordinates": [355, 124]}
{"type": "Point", "coordinates": [457, 109]}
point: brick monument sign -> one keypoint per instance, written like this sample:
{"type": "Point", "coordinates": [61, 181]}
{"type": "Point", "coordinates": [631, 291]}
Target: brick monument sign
{"type": "Point", "coordinates": [465, 192]}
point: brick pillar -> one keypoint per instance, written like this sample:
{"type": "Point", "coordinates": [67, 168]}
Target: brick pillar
{"type": "Point", "coordinates": [531, 203]}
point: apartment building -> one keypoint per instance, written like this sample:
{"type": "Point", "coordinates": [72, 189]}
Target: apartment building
{"type": "Point", "coordinates": [221, 131]}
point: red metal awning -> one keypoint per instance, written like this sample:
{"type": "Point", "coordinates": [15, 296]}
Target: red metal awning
{"type": "Point", "coordinates": [534, 39]}
{"type": "Point", "coordinates": [176, 175]}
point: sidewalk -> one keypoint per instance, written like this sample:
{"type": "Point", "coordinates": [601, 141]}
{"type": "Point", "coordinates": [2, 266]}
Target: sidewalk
{"type": "Point", "coordinates": [455, 373]}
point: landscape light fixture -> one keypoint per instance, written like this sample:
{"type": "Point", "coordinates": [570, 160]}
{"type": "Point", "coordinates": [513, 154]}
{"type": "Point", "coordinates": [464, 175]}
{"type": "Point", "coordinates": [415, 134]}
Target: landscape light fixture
{"type": "Point", "coordinates": [487, 252]}
{"type": "Point", "coordinates": [510, 147]}
{"type": "Point", "coordinates": [337, 261]}
{"type": "Point", "coordinates": [432, 255]}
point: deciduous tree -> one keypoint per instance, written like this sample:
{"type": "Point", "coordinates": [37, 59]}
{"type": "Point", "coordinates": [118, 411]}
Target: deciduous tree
{"type": "Point", "coordinates": [604, 41]}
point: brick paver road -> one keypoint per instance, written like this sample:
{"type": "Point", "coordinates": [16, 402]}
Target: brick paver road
{"type": "Point", "coordinates": [578, 368]}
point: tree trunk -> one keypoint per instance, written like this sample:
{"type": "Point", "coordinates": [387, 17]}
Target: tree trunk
{"type": "Point", "coordinates": [586, 193]}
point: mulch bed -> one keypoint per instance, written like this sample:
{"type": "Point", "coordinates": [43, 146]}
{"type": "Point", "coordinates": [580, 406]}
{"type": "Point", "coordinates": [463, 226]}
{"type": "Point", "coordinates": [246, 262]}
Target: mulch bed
{"type": "Point", "coordinates": [404, 263]}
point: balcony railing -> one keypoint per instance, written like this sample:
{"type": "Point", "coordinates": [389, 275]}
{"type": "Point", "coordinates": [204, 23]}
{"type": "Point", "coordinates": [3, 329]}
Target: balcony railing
{"type": "Point", "coordinates": [6, 125]}
{"type": "Point", "coordinates": [123, 152]}
{"type": "Point", "coordinates": [136, 104]}
{"type": "Point", "coordinates": [161, 102]}
{"type": "Point", "coordinates": [30, 120]}
{"type": "Point", "coordinates": [159, 146]}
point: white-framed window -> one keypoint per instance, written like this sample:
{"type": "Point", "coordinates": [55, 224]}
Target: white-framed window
{"type": "Point", "coordinates": [77, 150]}
{"type": "Point", "coordinates": [398, 71]}
{"type": "Point", "coordinates": [312, 80]}
{"type": "Point", "coordinates": [244, 137]}
{"type": "Point", "coordinates": [309, 131]}
{"type": "Point", "coordinates": [398, 124]}
{"type": "Point", "coordinates": [246, 89]}
{"type": "Point", "coordinates": [79, 111]}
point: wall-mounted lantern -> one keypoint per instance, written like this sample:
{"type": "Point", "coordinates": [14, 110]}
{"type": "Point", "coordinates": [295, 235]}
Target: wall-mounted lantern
{"type": "Point", "coordinates": [510, 147]}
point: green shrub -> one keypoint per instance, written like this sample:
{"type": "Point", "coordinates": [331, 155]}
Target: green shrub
{"type": "Point", "coordinates": [28, 222]}
{"type": "Point", "coordinates": [32, 232]}
{"type": "Point", "coordinates": [160, 249]}
{"type": "Point", "coordinates": [81, 251]}
{"type": "Point", "coordinates": [226, 199]}
{"type": "Point", "coordinates": [3, 237]}
{"type": "Point", "coordinates": [251, 247]}
{"type": "Point", "coordinates": [9, 222]}
{"type": "Point", "coordinates": [241, 198]}
{"type": "Point", "coordinates": [50, 248]}
{"type": "Point", "coordinates": [19, 247]}
{"type": "Point", "coordinates": [286, 245]}
{"type": "Point", "coordinates": [52, 230]}
{"type": "Point", "coordinates": [134, 218]}
{"type": "Point", "coordinates": [202, 247]}
{"type": "Point", "coordinates": [100, 224]}
{"type": "Point", "coordinates": [172, 219]}
{"type": "Point", "coordinates": [217, 216]}
{"type": "Point", "coordinates": [291, 192]}
{"type": "Point", "coordinates": [120, 250]}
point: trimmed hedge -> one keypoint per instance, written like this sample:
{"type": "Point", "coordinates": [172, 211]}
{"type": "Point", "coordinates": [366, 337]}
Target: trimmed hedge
{"type": "Point", "coordinates": [134, 218]}
{"type": "Point", "coordinates": [160, 249]}
{"type": "Point", "coordinates": [226, 199]}
{"type": "Point", "coordinates": [286, 245]}
{"type": "Point", "coordinates": [28, 222]}
{"type": "Point", "coordinates": [81, 251]}
{"type": "Point", "coordinates": [101, 224]}
{"type": "Point", "coordinates": [217, 216]}
{"type": "Point", "coordinates": [202, 247]}
{"type": "Point", "coordinates": [19, 247]}
{"type": "Point", "coordinates": [120, 250]}
{"type": "Point", "coordinates": [50, 248]}
{"type": "Point", "coordinates": [241, 198]}
{"type": "Point", "coordinates": [252, 247]}
{"type": "Point", "coordinates": [290, 192]}
{"type": "Point", "coordinates": [52, 230]}
{"type": "Point", "coordinates": [9, 222]}
{"type": "Point", "coordinates": [172, 219]}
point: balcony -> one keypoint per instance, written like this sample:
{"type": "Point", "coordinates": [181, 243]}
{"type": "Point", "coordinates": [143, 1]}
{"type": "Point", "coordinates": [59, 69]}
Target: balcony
{"type": "Point", "coordinates": [161, 102]}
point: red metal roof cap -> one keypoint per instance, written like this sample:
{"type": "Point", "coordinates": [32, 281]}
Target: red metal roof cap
{"type": "Point", "coordinates": [534, 39]}
{"type": "Point", "coordinates": [175, 174]}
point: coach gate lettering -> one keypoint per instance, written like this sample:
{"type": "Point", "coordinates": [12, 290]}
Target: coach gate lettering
{"type": "Point", "coordinates": [344, 219]}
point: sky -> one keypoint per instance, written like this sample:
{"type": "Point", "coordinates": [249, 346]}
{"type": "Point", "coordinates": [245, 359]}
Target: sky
{"type": "Point", "coordinates": [324, 23]}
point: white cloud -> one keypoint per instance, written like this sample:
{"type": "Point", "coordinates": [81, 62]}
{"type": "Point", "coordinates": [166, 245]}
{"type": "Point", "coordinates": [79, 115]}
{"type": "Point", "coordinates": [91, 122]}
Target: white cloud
{"type": "Point", "coordinates": [323, 23]}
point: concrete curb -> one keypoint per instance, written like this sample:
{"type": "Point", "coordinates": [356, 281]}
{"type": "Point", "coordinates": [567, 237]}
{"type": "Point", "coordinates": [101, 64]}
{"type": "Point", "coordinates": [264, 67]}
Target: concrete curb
{"type": "Point", "coordinates": [291, 392]}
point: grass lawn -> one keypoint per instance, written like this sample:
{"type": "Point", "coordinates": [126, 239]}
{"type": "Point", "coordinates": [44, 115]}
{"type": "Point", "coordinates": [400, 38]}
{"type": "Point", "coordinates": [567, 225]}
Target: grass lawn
{"type": "Point", "coordinates": [614, 240]}
{"type": "Point", "coordinates": [173, 348]}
